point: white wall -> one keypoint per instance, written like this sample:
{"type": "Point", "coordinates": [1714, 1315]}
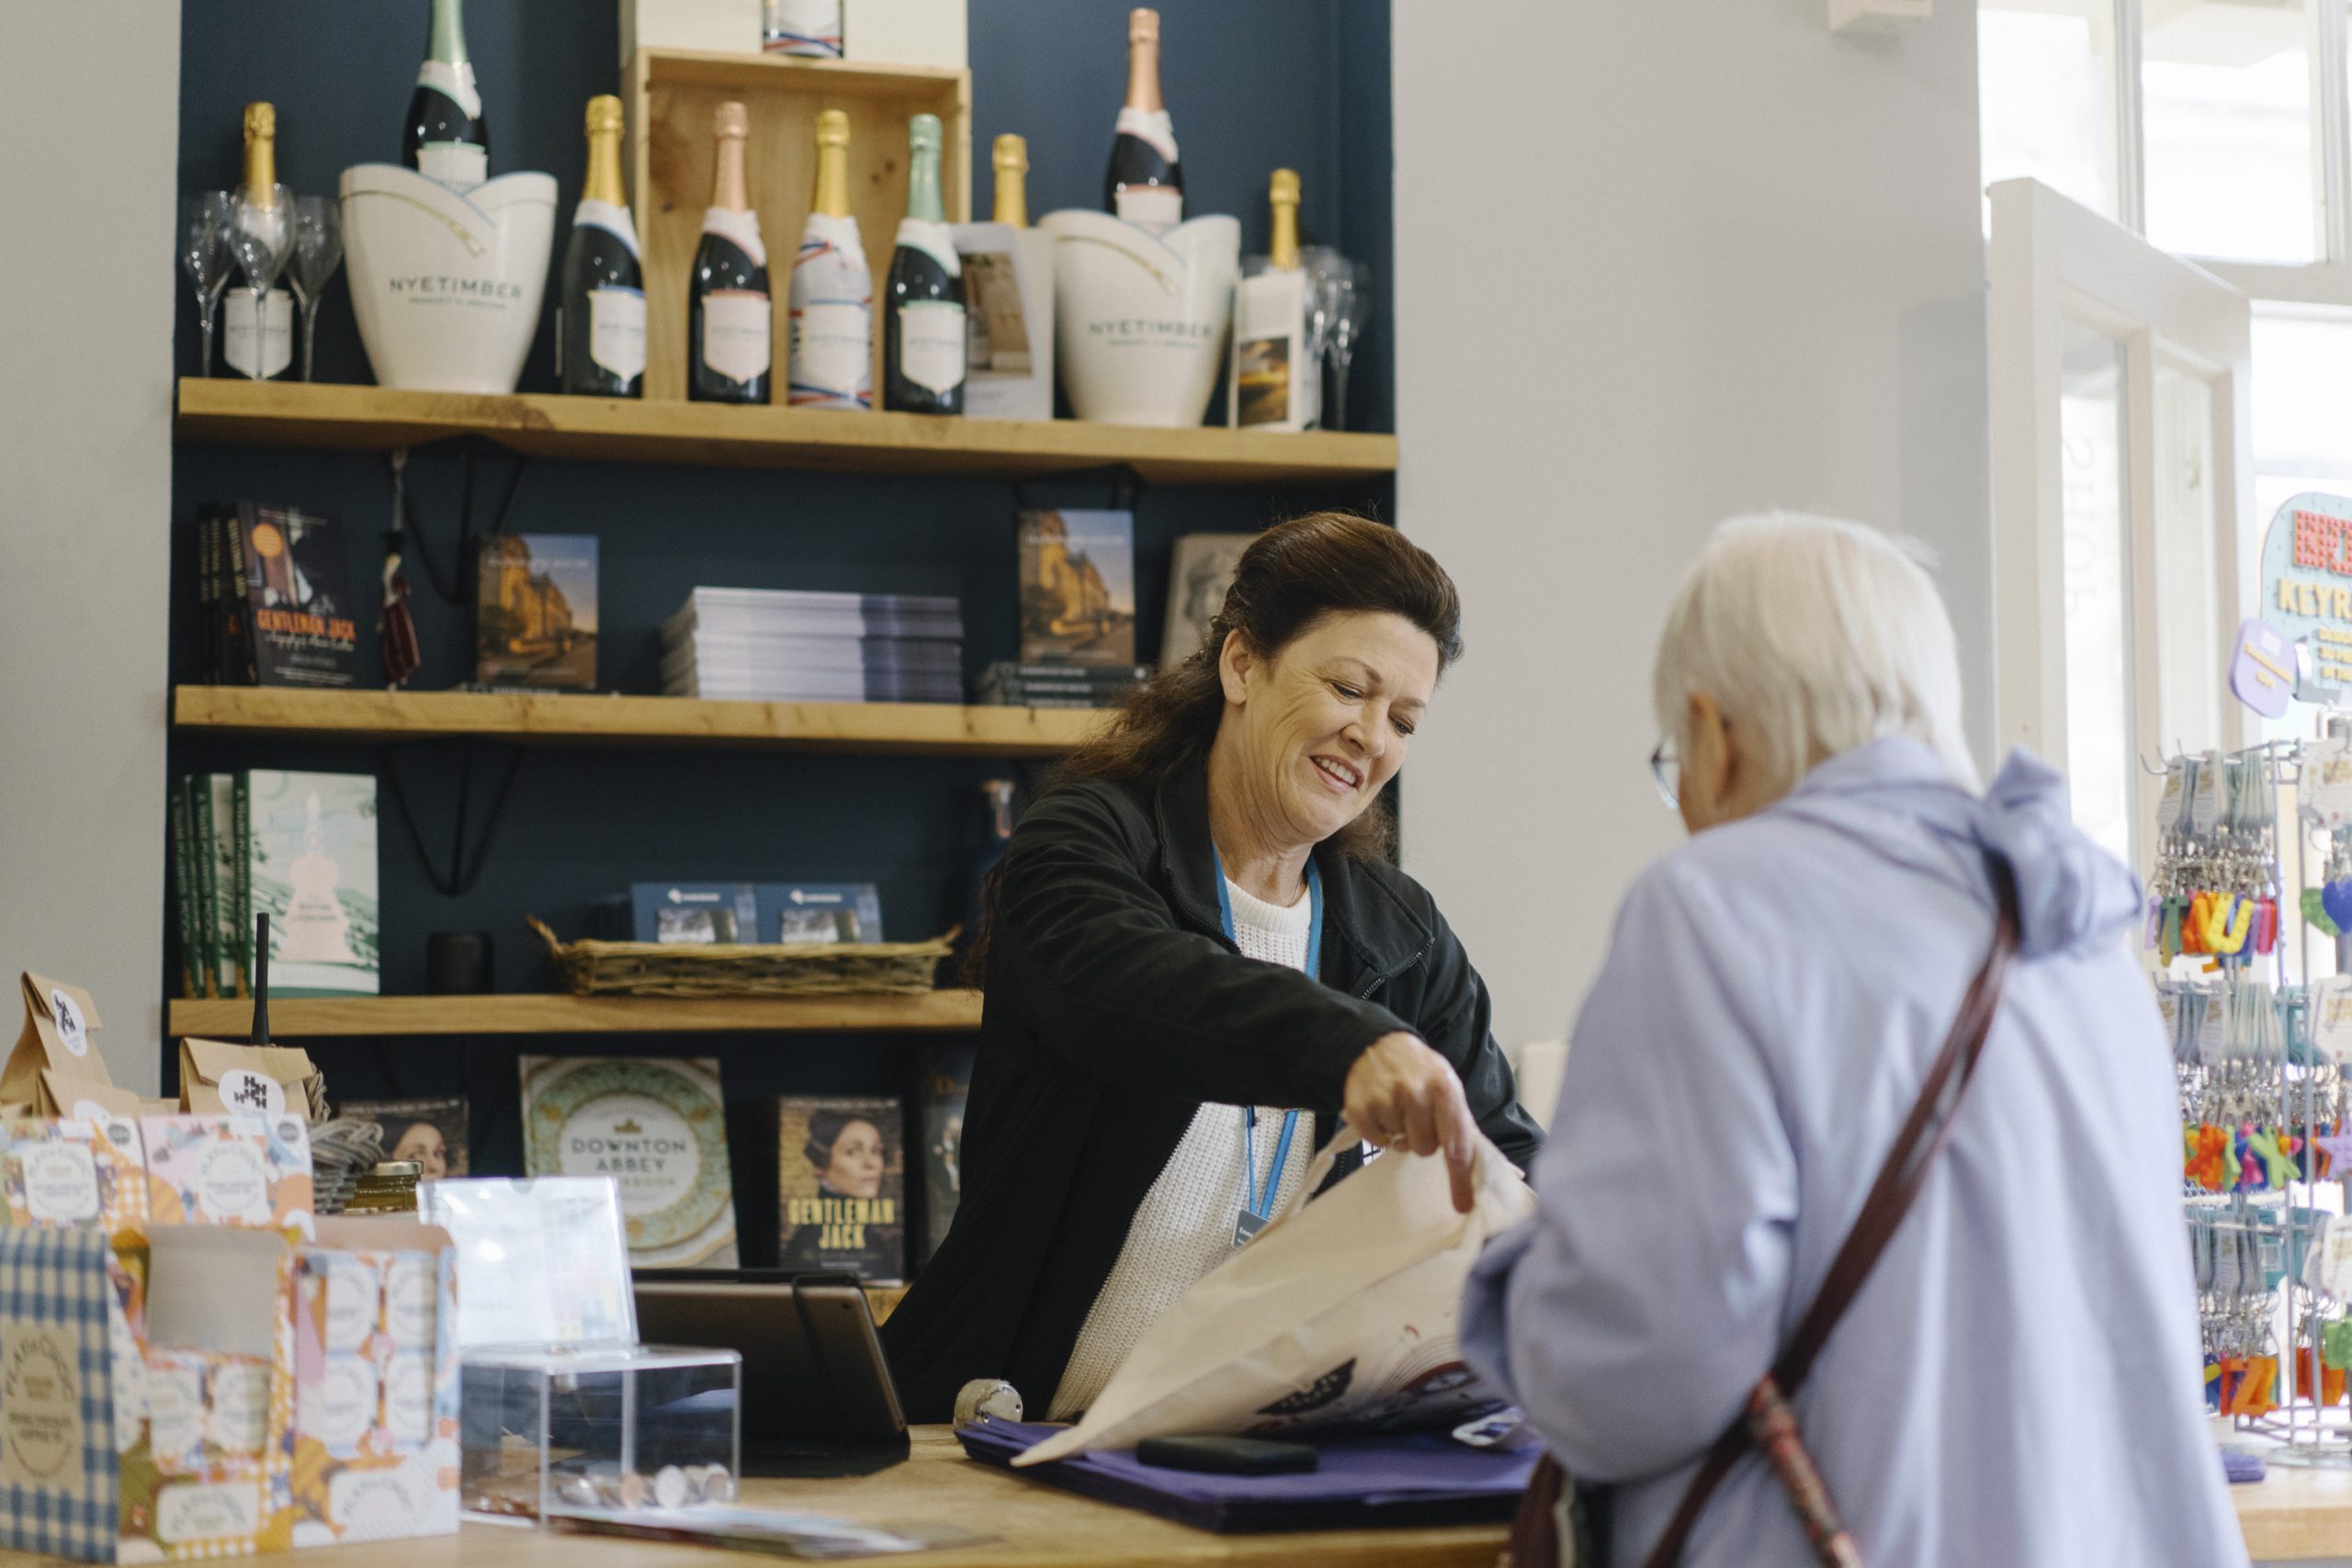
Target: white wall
{"type": "Point", "coordinates": [89, 117]}
{"type": "Point", "coordinates": [1656, 264]}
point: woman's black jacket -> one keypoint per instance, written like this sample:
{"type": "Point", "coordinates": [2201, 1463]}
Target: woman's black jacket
{"type": "Point", "coordinates": [1116, 1006]}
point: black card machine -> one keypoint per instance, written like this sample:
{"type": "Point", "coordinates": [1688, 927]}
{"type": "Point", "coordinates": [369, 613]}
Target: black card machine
{"type": "Point", "coordinates": [818, 1399]}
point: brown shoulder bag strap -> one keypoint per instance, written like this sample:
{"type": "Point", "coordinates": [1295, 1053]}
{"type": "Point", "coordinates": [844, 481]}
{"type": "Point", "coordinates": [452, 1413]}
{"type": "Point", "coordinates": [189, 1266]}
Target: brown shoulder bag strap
{"type": "Point", "coordinates": [1899, 1182]}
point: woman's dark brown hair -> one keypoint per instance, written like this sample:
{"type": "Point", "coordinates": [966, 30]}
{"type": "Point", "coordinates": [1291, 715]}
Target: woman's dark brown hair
{"type": "Point", "coordinates": [1292, 575]}
{"type": "Point", "coordinates": [825, 1130]}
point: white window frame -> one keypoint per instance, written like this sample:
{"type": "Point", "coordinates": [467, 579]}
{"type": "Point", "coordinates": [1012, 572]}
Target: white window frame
{"type": "Point", "coordinates": [2326, 281]}
{"type": "Point", "coordinates": [2052, 260]}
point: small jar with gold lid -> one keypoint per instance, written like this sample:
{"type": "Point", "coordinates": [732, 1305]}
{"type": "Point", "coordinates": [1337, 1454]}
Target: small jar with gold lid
{"type": "Point", "coordinates": [388, 1188]}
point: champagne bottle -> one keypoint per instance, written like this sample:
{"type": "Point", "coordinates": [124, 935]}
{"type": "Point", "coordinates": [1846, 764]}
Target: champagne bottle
{"type": "Point", "coordinates": [1144, 185]}
{"type": "Point", "coordinates": [1012, 160]}
{"type": "Point", "coordinates": [260, 210]}
{"type": "Point", "coordinates": [830, 356]}
{"type": "Point", "coordinates": [1277, 384]}
{"type": "Point", "coordinates": [599, 316]}
{"type": "Point", "coordinates": [729, 345]}
{"type": "Point", "coordinates": [803, 27]}
{"type": "Point", "coordinates": [447, 137]}
{"type": "Point", "coordinates": [922, 338]}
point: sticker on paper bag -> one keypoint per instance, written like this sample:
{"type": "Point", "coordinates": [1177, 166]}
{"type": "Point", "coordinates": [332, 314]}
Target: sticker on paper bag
{"type": "Point", "coordinates": [41, 1404]}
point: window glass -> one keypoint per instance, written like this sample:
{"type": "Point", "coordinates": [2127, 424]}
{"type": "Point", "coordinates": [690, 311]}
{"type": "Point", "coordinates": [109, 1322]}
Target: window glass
{"type": "Point", "coordinates": [2099, 759]}
{"type": "Point", "coordinates": [2226, 110]}
{"type": "Point", "coordinates": [2046, 96]}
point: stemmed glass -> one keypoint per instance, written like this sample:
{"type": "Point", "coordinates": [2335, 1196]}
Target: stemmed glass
{"type": "Point", "coordinates": [1351, 308]}
{"type": "Point", "coordinates": [263, 238]}
{"type": "Point", "coordinates": [1318, 261]}
{"type": "Point", "coordinates": [318, 251]}
{"type": "Point", "coordinates": [205, 219]}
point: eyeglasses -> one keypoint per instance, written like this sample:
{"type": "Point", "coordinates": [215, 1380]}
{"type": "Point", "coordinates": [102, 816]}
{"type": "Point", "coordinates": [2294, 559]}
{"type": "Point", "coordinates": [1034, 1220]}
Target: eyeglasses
{"type": "Point", "coordinates": [1665, 771]}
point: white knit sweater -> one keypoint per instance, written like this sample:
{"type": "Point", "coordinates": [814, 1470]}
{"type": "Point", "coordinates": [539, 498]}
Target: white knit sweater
{"type": "Point", "coordinates": [1184, 1227]}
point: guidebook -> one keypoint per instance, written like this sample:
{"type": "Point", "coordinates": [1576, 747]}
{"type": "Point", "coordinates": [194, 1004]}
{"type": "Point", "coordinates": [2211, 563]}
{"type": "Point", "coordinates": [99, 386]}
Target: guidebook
{"type": "Point", "coordinates": [535, 613]}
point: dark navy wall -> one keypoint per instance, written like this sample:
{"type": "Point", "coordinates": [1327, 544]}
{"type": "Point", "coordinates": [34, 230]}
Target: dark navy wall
{"type": "Point", "coordinates": [1251, 86]}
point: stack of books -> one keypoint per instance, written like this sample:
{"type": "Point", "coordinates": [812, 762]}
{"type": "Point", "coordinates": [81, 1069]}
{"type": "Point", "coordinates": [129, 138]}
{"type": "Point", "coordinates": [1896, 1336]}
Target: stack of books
{"type": "Point", "coordinates": [779, 645]}
{"type": "Point", "coordinates": [1008, 684]}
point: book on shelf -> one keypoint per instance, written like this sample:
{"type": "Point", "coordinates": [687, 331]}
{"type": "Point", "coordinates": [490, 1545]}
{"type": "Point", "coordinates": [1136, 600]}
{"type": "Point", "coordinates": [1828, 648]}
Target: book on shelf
{"type": "Point", "coordinates": [313, 861]}
{"type": "Point", "coordinates": [1199, 570]}
{"type": "Point", "coordinates": [819, 911]}
{"type": "Point", "coordinates": [1007, 683]}
{"type": "Point", "coordinates": [306, 846]}
{"type": "Point", "coordinates": [763, 645]}
{"type": "Point", "coordinates": [946, 1086]}
{"type": "Point", "coordinates": [773, 610]}
{"type": "Point", "coordinates": [180, 821]}
{"type": "Point", "coordinates": [277, 598]}
{"type": "Point", "coordinates": [430, 1131]}
{"type": "Point", "coordinates": [534, 612]}
{"type": "Point", "coordinates": [841, 1179]}
{"type": "Point", "coordinates": [1077, 587]}
{"type": "Point", "coordinates": [697, 913]}
{"type": "Point", "coordinates": [231, 894]}
{"type": "Point", "coordinates": [658, 1127]}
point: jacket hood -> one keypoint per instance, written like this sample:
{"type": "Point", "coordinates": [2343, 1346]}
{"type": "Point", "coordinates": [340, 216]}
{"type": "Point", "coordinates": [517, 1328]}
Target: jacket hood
{"type": "Point", "coordinates": [1894, 797]}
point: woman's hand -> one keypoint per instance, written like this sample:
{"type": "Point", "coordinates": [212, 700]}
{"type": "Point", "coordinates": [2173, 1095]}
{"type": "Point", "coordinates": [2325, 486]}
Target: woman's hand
{"type": "Point", "coordinates": [1402, 1094]}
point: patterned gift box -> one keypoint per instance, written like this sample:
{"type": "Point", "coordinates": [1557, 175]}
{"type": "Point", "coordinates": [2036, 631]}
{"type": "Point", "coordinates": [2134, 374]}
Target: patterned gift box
{"type": "Point", "coordinates": [376, 1383]}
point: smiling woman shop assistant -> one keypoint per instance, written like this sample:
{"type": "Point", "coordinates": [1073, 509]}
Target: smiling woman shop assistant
{"type": "Point", "coordinates": [1197, 953]}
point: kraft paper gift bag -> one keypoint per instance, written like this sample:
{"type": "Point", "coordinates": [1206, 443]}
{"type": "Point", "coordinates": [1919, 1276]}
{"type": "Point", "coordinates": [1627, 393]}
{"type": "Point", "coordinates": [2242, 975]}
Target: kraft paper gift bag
{"type": "Point", "coordinates": [256, 1080]}
{"type": "Point", "coordinates": [1342, 1314]}
{"type": "Point", "coordinates": [59, 1024]}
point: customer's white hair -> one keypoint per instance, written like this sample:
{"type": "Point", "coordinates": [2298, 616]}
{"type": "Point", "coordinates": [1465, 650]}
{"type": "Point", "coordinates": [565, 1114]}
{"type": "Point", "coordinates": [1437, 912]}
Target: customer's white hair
{"type": "Point", "coordinates": [1814, 635]}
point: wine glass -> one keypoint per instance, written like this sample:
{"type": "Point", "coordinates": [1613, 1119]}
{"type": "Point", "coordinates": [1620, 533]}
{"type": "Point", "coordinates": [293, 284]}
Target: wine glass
{"type": "Point", "coordinates": [318, 251]}
{"type": "Point", "coordinates": [206, 218]}
{"type": "Point", "coordinates": [1351, 305]}
{"type": "Point", "coordinates": [1318, 262]}
{"type": "Point", "coordinates": [263, 237]}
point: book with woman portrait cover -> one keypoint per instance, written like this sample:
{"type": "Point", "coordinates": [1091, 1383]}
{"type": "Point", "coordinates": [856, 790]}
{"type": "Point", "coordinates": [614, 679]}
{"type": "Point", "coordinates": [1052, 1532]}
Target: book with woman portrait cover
{"type": "Point", "coordinates": [842, 1185]}
{"type": "Point", "coordinates": [430, 1131]}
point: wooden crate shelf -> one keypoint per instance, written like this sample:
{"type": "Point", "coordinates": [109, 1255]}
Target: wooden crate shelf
{"type": "Point", "coordinates": [233, 410]}
{"type": "Point", "coordinates": [944, 1011]}
{"type": "Point", "coordinates": [919, 729]}
{"type": "Point", "coordinates": [672, 94]}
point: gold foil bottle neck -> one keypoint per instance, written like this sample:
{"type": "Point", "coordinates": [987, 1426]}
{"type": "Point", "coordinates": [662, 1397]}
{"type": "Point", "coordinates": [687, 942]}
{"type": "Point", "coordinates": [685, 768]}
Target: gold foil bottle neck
{"type": "Point", "coordinates": [832, 128]}
{"type": "Point", "coordinates": [1283, 189]}
{"type": "Point", "coordinates": [1143, 25]}
{"type": "Point", "coordinates": [730, 118]}
{"type": "Point", "coordinates": [603, 114]}
{"type": "Point", "coordinates": [1011, 156]}
{"type": "Point", "coordinates": [260, 120]}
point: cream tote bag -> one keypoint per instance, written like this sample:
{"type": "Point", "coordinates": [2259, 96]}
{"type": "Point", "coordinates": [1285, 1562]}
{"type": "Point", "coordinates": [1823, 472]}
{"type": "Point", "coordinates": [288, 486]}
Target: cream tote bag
{"type": "Point", "coordinates": [1342, 1313]}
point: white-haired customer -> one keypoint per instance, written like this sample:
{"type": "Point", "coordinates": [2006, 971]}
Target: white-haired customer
{"type": "Point", "coordinates": [2017, 1383]}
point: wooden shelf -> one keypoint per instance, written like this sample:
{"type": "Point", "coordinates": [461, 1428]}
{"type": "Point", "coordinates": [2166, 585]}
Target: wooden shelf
{"type": "Point", "coordinates": [558, 1013]}
{"type": "Point", "coordinates": [234, 410]}
{"type": "Point", "coordinates": [919, 730]}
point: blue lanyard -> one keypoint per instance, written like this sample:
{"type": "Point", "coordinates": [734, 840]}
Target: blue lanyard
{"type": "Point", "coordinates": [1256, 1204]}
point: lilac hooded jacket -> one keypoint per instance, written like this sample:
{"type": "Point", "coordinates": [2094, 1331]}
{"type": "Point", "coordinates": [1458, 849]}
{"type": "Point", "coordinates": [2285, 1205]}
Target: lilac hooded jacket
{"type": "Point", "coordinates": [2018, 1382]}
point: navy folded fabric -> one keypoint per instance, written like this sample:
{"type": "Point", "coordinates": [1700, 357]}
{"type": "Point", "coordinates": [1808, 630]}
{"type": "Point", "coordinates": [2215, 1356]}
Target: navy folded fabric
{"type": "Point", "coordinates": [1364, 1482]}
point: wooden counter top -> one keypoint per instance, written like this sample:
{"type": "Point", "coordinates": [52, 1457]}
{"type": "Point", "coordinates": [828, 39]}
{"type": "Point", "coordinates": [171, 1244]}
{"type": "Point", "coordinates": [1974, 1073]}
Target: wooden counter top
{"type": "Point", "coordinates": [2294, 1515]}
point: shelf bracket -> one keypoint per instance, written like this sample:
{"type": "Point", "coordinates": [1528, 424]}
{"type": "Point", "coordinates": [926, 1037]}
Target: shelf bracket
{"type": "Point", "coordinates": [463, 872]}
{"type": "Point", "coordinates": [456, 586]}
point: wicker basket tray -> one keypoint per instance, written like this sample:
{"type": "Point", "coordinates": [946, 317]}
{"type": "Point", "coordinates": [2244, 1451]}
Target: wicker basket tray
{"type": "Point", "coordinates": [781, 969]}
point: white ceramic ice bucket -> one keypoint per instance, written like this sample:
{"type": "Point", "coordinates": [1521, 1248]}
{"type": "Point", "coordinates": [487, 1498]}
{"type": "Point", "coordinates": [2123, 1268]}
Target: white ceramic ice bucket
{"type": "Point", "coordinates": [447, 286]}
{"type": "Point", "coordinates": [1140, 319]}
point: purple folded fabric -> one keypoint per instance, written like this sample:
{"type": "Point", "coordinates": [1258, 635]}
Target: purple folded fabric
{"type": "Point", "coordinates": [1419, 1478]}
{"type": "Point", "coordinates": [2241, 1467]}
